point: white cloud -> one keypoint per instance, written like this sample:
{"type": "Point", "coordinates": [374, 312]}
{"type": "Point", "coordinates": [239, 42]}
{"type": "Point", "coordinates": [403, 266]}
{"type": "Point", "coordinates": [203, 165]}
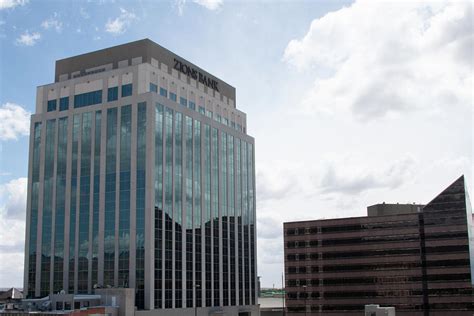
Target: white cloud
{"type": "Point", "coordinates": [210, 4]}
{"type": "Point", "coordinates": [15, 121]}
{"type": "Point", "coordinates": [53, 23]}
{"type": "Point", "coordinates": [347, 177]}
{"type": "Point", "coordinates": [13, 197]}
{"type": "Point", "coordinates": [374, 59]}
{"type": "Point", "coordinates": [8, 4]}
{"type": "Point", "coordinates": [12, 231]}
{"type": "Point", "coordinates": [28, 39]}
{"type": "Point", "coordinates": [11, 274]}
{"type": "Point", "coordinates": [276, 181]}
{"type": "Point", "coordinates": [120, 24]}
{"type": "Point", "coordinates": [179, 4]}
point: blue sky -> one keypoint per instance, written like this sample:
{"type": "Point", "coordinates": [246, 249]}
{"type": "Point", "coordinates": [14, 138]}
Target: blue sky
{"type": "Point", "coordinates": [351, 103]}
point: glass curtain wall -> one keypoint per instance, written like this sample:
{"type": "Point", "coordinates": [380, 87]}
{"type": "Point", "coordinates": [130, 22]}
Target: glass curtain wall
{"type": "Point", "coordinates": [73, 201]}
{"type": "Point", "coordinates": [110, 192]}
{"type": "Point", "coordinates": [60, 205]}
{"type": "Point", "coordinates": [140, 207]}
{"type": "Point", "coordinates": [47, 207]}
{"type": "Point", "coordinates": [84, 194]}
{"type": "Point", "coordinates": [158, 185]}
{"type": "Point", "coordinates": [95, 205]}
{"type": "Point", "coordinates": [34, 210]}
{"type": "Point", "coordinates": [124, 195]}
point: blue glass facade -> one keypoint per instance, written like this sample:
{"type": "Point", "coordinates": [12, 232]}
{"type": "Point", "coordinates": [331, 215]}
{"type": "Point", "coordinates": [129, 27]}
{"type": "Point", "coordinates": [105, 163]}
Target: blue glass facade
{"type": "Point", "coordinates": [96, 198]}
{"type": "Point", "coordinates": [73, 202]}
{"type": "Point", "coordinates": [124, 197]}
{"type": "Point", "coordinates": [158, 190]}
{"type": "Point", "coordinates": [110, 192]}
{"type": "Point", "coordinates": [35, 183]}
{"type": "Point", "coordinates": [64, 104]}
{"type": "Point", "coordinates": [140, 206]}
{"type": "Point", "coordinates": [204, 214]}
{"type": "Point", "coordinates": [51, 105]}
{"type": "Point", "coordinates": [112, 94]}
{"type": "Point", "coordinates": [84, 203]}
{"type": "Point", "coordinates": [86, 99]}
{"type": "Point", "coordinates": [47, 217]}
{"type": "Point", "coordinates": [60, 212]}
{"type": "Point", "coordinates": [127, 90]}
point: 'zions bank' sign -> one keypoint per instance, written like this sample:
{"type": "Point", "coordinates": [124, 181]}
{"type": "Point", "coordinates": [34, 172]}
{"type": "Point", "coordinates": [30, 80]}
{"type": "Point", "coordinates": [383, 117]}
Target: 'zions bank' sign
{"type": "Point", "coordinates": [195, 74]}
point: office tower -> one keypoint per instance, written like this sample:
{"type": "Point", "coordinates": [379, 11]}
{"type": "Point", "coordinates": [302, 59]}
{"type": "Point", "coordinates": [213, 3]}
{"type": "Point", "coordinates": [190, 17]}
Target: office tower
{"type": "Point", "coordinates": [141, 175]}
{"type": "Point", "coordinates": [418, 259]}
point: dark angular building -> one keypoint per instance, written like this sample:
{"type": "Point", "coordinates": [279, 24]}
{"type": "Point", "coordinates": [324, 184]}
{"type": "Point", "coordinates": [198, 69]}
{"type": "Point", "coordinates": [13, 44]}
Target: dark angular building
{"type": "Point", "coordinates": [419, 259]}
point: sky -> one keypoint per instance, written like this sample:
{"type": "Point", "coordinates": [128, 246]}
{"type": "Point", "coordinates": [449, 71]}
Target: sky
{"type": "Point", "coordinates": [351, 103]}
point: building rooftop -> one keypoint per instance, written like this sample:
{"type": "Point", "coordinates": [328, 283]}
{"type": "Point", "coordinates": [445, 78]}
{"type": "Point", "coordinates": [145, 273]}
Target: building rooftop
{"type": "Point", "coordinates": [141, 51]}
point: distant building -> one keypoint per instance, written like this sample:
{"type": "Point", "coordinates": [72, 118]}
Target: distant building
{"type": "Point", "coordinates": [419, 259]}
{"type": "Point", "coordinates": [10, 299]}
{"type": "Point", "coordinates": [393, 209]}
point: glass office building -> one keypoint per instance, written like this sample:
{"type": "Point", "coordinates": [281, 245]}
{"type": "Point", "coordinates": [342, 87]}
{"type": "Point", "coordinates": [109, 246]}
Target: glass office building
{"type": "Point", "coordinates": [142, 175]}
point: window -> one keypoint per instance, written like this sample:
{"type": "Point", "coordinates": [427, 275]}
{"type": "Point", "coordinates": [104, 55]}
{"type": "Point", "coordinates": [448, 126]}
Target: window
{"type": "Point", "coordinates": [192, 105]}
{"type": "Point", "coordinates": [64, 104]}
{"type": "Point", "coordinates": [173, 96]}
{"type": "Point", "coordinates": [226, 121]}
{"type": "Point", "coordinates": [239, 127]}
{"type": "Point", "coordinates": [183, 101]}
{"type": "Point", "coordinates": [89, 98]}
{"type": "Point", "coordinates": [202, 110]}
{"type": "Point", "coordinates": [127, 90]}
{"type": "Point", "coordinates": [232, 124]}
{"type": "Point", "coordinates": [209, 113]}
{"type": "Point", "coordinates": [51, 105]}
{"type": "Point", "coordinates": [163, 92]}
{"type": "Point", "coordinates": [112, 94]}
{"type": "Point", "coordinates": [153, 87]}
{"type": "Point", "coordinates": [218, 118]}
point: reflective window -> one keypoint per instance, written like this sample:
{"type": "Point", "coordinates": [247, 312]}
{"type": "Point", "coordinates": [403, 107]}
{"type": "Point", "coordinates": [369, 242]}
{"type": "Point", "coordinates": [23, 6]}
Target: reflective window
{"type": "Point", "coordinates": [153, 87]}
{"type": "Point", "coordinates": [127, 90]}
{"type": "Point", "coordinates": [173, 96]}
{"type": "Point", "coordinates": [112, 94]}
{"type": "Point", "coordinates": [158, 205]}
{"type": "Point", "coordinates": [197, 211]}
{"type": "Point", "coordinates": [34, 210]}
{"type": "Point", "coordinates": [84, 204]}
{"type": "Point", "coordinates": [178, 206]}
{"type": "Point", "coordinates": [96, 197]}
{"type": "Point", "coordinates": [86, 99]}
{"type": "Point", "coordinates": [46, 237]}
{"type": "Point", "coordinates": [124, 194]}
{"type": "Point", "coordinates": [192, 105]}
{"type": "Point", "coordinates": [64, 104]}
{"type": "Point", "coordinates": [168, 207]}
{"type": "Point", "coordinates": [73, 200]}
{"type": "Point", "coordinates": [60, 205]}
{"type": "Point", "coordinates": [110, 193]}
{"type": "Point", "coordinates": [51, 105]}
{"type": "Point", "coordinates": [140, 206]}
{"type": "Point", "coordinates": [183, 101]}
{"type": "Point", "coordinates": [163, 92]}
